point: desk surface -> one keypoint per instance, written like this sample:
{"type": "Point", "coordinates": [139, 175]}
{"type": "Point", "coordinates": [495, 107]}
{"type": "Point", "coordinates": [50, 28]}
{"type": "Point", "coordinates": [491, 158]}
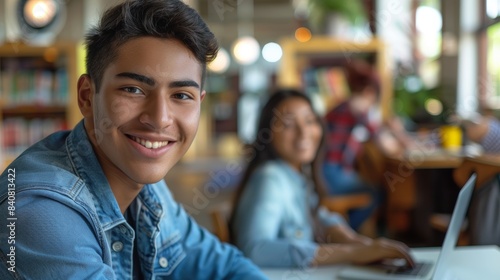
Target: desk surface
{"type": "Point", "coordinates": [422, 159]}
{"type": "Point", "coordinates": [468, 263]}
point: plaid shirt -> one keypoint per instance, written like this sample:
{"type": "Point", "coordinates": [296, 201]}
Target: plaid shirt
{"type": "Point", "coordinates": [342, 144]}
{"type": "Point", "coordinates": [490, 142]}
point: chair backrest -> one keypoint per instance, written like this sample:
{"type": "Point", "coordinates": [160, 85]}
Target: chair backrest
{"type": "Point", "coordinates": [219, 216]}
{"type": "Point", "coordinates": [484, 211]}
{"type": "Point", "coordinates": [343, 203]}
{"type": "Point", "coordinates": [485, 166]}
{"type": "Point", "coordinates": [370, 163]}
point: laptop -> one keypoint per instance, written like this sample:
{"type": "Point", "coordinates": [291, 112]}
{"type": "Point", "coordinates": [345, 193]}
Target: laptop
{"type": "Point", "coordinates": [422, 270]}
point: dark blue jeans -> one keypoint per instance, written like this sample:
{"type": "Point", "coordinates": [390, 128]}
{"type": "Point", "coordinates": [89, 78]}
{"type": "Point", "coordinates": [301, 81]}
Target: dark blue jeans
{"type": "Point", "coordinates": [340, 182]}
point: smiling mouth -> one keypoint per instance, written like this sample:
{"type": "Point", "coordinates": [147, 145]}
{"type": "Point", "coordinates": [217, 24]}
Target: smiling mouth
{"type": "Point", "coordinates": [149, 144]}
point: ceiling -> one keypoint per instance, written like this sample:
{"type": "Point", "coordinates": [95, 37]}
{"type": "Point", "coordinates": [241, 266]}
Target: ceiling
{"type": "Point", "coordinates": [269, 21]}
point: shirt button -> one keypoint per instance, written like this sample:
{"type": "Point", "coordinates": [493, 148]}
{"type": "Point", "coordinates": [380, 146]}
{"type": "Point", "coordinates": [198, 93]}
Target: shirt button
{"type": "Point", "coordinates": [163, 262]}
{"type": "Point", "coordinates": [298, 233]}
{"type": "Point", "coordinates": [123, 229]}
{"type": "Point", "coordinates": [117, 246]}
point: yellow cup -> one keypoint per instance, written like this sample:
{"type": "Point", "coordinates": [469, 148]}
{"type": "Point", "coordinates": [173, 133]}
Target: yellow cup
{"type": "Point", "coordinates": [451, 137]}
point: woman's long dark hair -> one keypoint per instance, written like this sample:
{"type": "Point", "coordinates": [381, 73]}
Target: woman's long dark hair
{"type": "Point", "coordinates": [262, 150]}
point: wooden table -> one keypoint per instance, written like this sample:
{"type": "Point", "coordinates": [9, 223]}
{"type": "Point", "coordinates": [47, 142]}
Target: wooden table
{"type": "Point", "coordinates": [407, 181]}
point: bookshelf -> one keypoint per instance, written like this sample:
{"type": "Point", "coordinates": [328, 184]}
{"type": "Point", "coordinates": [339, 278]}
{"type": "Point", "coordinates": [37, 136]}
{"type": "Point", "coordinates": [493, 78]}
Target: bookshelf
{"type": "Point", "coordinates": [316, 66]}
{"type": "Point", "coordinates": [37, 93]}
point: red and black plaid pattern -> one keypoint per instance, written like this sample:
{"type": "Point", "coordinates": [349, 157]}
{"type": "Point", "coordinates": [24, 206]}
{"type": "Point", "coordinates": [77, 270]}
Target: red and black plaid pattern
{"type": "Point", "coordinates": [342, 145]}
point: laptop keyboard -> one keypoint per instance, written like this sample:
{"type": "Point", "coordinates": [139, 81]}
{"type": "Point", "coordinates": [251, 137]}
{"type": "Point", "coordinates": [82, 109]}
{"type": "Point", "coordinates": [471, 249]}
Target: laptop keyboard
{"type": "Point", "coordinates": [419, 269]}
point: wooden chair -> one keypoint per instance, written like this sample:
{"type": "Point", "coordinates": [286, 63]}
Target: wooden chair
{"type": "Point", "coordinates": [219, 216]}
{"type": "Point", "coordinates": [343, 203]}
{"type": "Point", "coordinates": [370, 163]}
{"type": "Point", "coordinates": [485, 166]}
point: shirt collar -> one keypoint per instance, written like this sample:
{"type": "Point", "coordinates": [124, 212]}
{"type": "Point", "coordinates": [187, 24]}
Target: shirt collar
{"type": "Point", "coordinates": [87, 168]}
{"type": "Point", "coordinates": [297, 176]}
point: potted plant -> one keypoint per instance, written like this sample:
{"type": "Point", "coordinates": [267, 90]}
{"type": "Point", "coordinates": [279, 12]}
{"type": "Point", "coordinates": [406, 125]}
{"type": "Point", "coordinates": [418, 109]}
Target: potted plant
{"type": "Point", "coordinates": [336, 17]}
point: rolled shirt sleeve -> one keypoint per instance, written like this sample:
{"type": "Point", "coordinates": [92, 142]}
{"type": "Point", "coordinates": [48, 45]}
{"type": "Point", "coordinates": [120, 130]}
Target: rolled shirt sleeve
{"type": "Point", "coordinates": [329, 219]}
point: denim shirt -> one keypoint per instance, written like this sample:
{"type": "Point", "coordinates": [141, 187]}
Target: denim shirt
{"type": "Point", "coordinates": [273, 224]}
{"type": "Point", "coordinates": [65, 223]}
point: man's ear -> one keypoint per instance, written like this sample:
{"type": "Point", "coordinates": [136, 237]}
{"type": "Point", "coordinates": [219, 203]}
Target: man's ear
{"type": "Point", "coordinates": [203, 93]}
{"type": "Point", "coordinates": [85, 95]}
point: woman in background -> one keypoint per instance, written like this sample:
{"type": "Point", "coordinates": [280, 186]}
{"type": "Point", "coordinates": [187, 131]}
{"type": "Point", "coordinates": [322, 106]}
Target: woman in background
{"type": "Point", "coordinates": [276, 220]}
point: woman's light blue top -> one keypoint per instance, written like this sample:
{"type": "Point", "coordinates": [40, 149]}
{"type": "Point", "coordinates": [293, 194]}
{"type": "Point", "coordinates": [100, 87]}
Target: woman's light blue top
{"type": "Point", "coordinates": [273, 223]}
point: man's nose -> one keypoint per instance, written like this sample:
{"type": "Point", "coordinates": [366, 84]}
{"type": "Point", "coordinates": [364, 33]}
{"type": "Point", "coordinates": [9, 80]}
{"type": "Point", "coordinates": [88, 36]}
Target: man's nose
{"type": "Point", "coordinates": [157, 113]}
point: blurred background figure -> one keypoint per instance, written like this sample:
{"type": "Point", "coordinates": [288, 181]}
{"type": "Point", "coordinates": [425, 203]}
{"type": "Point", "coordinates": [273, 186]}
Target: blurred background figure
{"type": "Point", "coordinates": [277, 220]}
{"type": "Point", "coordinates": [484, 130]}
{"type": "Point", "coordinates": [348, 127]}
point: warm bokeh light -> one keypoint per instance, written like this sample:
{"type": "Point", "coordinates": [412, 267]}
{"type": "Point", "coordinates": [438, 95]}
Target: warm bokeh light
{"type": "Point", "coordinates": [221, 62]}
{"type": "Point", "coordinates": [50, 55]}
{"type": "Point", "coordinates": [272, 52]}
{"type": "Point", "coordinates": [433, 106]}
{"type": "Point", "coordinates": [39, 13]}
{"type": "Point", "coordinates": [246, 50]}
{"type": "Point", "coordinates": [303, 34]}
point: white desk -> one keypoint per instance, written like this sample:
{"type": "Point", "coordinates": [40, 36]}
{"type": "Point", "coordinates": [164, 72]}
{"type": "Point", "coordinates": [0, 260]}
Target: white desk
{"type": "Point", "coordinates": [469, 263]}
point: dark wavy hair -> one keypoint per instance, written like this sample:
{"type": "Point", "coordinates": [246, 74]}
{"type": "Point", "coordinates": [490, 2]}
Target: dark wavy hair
{"type": "Point", "coordinates": [168, 19]}
{"type": "Point", "coordinates": [262, 150]}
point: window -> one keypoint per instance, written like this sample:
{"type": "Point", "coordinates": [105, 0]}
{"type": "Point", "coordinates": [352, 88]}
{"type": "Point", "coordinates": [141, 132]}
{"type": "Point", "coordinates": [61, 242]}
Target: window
{"type": "Point", "coordinates": [489, 52]}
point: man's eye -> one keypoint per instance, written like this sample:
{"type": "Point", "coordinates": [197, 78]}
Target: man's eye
{"type": "Point", "coordinates": [132, 90]}
{"type": "Point", "coordinates": [182, 96]}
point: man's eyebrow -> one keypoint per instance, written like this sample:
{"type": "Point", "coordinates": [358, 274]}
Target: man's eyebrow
{"type": "Point", "coordinates": [184, 83]}
{"type": "Point", "coordinates": [141, 78]}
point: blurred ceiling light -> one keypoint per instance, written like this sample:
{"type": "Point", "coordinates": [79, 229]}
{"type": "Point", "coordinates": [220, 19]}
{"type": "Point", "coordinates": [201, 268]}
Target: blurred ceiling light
{"type": "Point", "coordinates": [272, 52]}
{"type": "Point", "coordinates": [221, 63]}
{"type": "Point", "coordinates": [303, 34]}
{"type": "Point", "coordinates": [246, 50]}
{"type": "Point", "coordinates": [39, 13]}
{"type": "Point", "coordinates": [39, 21]}
{"type": "Point", "coordinates": [428, 20]}
{"type": "Point", "coordinates": [433, 106]}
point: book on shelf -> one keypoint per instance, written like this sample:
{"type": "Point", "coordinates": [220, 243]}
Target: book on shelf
{"type": "Point", "coordinates": [34, 87]}
{"type": "Point", "coordinates": [32, 81]}
{"type": "Point", "coordinates": [326, 84]}
{"type": "Point", "coordinates": [20, 133]}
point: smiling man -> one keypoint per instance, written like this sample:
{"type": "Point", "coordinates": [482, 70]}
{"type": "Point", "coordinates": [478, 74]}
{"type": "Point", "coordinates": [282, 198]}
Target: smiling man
{"type": "Point", "coordinates": [91, 203]}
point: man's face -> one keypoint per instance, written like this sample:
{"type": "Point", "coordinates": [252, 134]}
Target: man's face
{"type": "Point", "coordinates": [146, 113]}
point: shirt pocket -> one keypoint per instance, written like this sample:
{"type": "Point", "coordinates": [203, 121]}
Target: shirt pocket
{"type": "Point", "coordinates": [169, 256]}
{"type": "Point", "coordinates": [294, 231]}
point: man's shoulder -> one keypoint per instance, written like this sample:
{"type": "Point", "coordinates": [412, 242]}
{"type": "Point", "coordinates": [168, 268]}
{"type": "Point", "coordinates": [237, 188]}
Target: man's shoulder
{"type": "Point", "coordinates": [46, 163]}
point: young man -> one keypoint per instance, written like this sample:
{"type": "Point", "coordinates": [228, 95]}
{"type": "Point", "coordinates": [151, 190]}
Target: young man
{"type": "Point", "coordinates": [91, 203]}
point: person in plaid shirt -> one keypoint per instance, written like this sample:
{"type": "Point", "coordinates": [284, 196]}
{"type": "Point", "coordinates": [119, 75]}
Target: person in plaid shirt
{"type": "Point", "coordinates": [348, 126]}
{"type": "Point", "coordinates": [484, 130]}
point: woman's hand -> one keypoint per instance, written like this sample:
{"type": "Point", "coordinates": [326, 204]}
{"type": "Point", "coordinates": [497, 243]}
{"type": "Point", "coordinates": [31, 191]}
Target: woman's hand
{"type": "Point", "coordinates": [379, 250]}
{"type": "Point", "coordinates": [363, 253]}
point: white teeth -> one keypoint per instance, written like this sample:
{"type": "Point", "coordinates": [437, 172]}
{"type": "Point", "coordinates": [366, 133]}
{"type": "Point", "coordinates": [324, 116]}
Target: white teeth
{"type": "Point", "coordinates": [150, 145]}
